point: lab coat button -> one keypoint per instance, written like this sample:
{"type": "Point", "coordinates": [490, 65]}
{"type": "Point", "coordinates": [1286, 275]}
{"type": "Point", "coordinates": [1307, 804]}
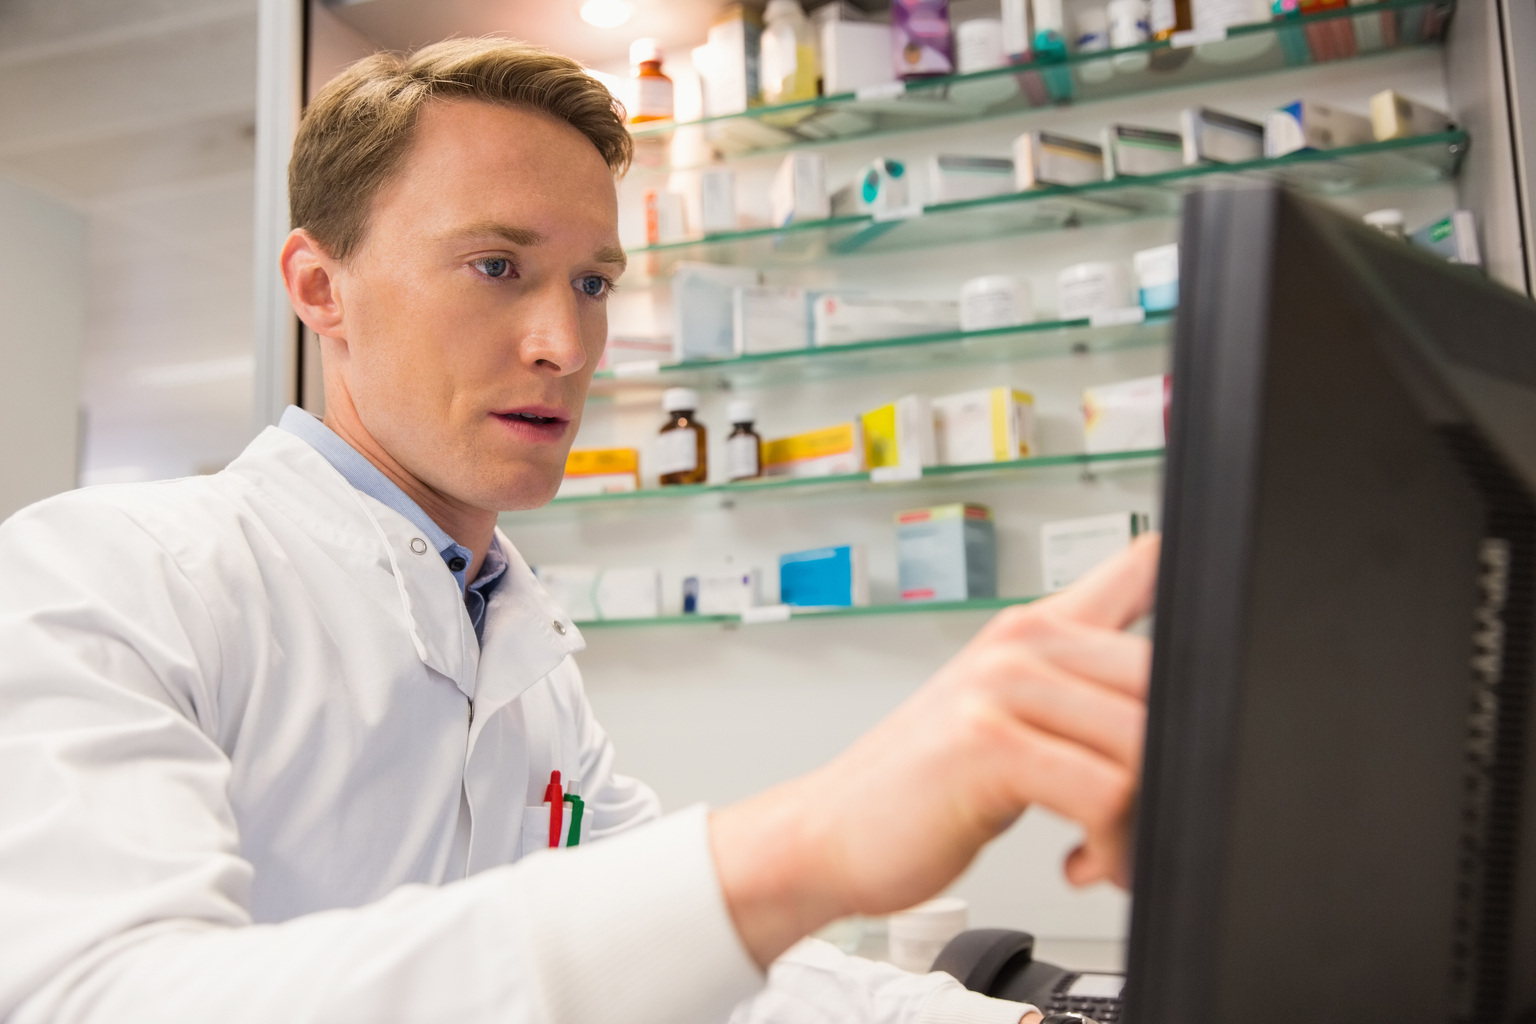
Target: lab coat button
{"type": "Point", "coordinates": [457, 564]}
{"type": "Point", "coordinates": [418, 545]}
{"type": "Point", "coordinates": [559, 627]}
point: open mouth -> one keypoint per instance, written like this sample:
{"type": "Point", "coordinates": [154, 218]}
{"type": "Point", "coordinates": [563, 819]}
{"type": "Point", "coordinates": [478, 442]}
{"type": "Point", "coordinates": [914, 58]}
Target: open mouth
{"type": "Point", "coordinates": [527, 417]}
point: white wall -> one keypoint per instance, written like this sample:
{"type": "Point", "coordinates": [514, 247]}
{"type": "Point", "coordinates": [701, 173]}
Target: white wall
{"type": "Point", "coordinates": [42, 322]}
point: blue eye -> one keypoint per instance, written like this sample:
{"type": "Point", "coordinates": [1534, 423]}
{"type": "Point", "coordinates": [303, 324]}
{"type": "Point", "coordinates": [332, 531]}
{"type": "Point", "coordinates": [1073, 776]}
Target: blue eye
{"type": "Point", "coordinates": [494, 266]}
{"type": "Point", "coordinates": [593, 286]}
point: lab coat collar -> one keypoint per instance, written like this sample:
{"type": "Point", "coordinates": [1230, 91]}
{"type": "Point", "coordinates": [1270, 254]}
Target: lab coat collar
{"type": "Point", "coordinates": [522, 640]}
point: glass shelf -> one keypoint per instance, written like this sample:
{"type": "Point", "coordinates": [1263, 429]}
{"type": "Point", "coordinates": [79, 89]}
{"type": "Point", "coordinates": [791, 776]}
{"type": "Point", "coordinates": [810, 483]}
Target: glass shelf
{"type": "Point", "coordinates": [1424, 160]}
{"type": "Point", "coordinates": [888, 355]}
{"type": "Point", "coordinates": [727, 495]}
{"type": "Point", "coordinates": [905, 608]}
{"type": "Point", "coordinates": [1246, 50]}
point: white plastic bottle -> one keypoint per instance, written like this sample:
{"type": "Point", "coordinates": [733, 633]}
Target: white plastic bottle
{"type": "Point", "coordinates": [787, 67]}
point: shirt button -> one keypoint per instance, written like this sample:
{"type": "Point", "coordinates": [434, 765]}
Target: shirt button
{"type": "Point", "coordinates": [418, 545]}
{"type": "Point", "coordinates": [457, 564]}
{"type": "Point", "coordinates": [559, 627]}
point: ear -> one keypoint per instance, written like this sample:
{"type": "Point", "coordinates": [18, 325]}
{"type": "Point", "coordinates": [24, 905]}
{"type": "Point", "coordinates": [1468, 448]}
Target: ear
{"type": "Point", "coordinates": [311, 277]}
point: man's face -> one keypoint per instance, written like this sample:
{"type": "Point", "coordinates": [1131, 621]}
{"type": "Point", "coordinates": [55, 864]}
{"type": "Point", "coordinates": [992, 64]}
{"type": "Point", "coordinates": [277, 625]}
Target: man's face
{"type": "Point", "coordinates": [475, 308]}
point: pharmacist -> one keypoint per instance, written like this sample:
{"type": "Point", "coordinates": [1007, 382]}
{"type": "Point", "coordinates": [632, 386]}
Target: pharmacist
{"type": "Point", "coordinates": [275, 743]}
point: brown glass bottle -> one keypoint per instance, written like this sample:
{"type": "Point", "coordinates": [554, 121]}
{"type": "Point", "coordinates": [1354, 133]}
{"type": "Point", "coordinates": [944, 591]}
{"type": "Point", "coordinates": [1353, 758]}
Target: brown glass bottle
{"type": "Point", "coordinates": [682, 452]}
{"type": "Point", "coordinates": [1168, 17]}
{"type": "Point", "coordinates": [743, 448]}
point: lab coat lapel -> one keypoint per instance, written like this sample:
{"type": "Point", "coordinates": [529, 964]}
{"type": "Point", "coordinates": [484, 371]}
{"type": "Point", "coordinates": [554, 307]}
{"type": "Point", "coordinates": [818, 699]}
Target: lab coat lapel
{"type": "Point", "coordinates": [526, 636]}
{"type": "Point", "coordinates": [445, 639]}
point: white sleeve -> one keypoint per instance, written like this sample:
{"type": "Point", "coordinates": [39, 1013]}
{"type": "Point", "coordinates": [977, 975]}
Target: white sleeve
{"type": "Point", "coordinates": [123, 892]}
{"type": "Point", "coordinates": [815, 983]}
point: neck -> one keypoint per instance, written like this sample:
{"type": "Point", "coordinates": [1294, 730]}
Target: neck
{"type": "Point", "coordinates": [467, 525]}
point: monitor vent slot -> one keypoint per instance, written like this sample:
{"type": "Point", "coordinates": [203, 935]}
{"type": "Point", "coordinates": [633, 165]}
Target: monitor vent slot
{"type": "Point", "coordinates": [1500, 681]}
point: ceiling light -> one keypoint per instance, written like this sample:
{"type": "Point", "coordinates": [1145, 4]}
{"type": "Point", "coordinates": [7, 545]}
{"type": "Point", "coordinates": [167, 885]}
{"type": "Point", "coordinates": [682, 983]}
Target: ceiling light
{"type": "Point", "coordinates": [606, 13]}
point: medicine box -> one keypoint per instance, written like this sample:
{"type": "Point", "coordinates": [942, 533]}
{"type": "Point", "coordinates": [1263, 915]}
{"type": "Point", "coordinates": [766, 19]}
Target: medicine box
{"type": "Point", "coordinates": [834, 577]}
{"type": "Point", "coordinates": [1045, 158]}
{"type": "Point", "coordinates": [855, 55]}
{"type": "Point", "coordinates": [882, 188]}
{"type": "Point", "coordinates": [830, 451]}
{"type": "Point", "coordinates": [1128, 416]}
{"type": "Point", "coordinates": [1211, 137]}
{"type": "Point", "coordinates": [798, 191]}
{"type": "Point", "coordinates": [986, 425]}
{"type": "Point", "coordinates": [1130, 151]}
{"type": "Point", "coordinates": [1395, 116]}
{"type": "Point", "coordinates": [622, 349]}
{"type": "Point", "coordinates": [946, 553]}
{"type": "Point", "coordinates": [717, 200]}
{"type": "Point", "coordinates": [1308, 125]}
{"type": "Point", "coordinates": [1453, 237]}
{"type": "Point", "coordinates": [722, 592]}
{"type": "Point", "coordinates": [728, 74]}
{"type": "Point", "coordinates": [770, 318]}
{"type": "Point", "coordinates": [1157, 277]}
{"type": "Point", "coordinates": [899, 435]}
{"type": "Point", "coordinates": [838, 319]}
{"type": "Point", "coordinates": [703, 309]}
{"type": "Point", "coordinates": [921, 43]}
{"type": "Point", "coordinates": [588, 592]}
{"type": "Point", "coordinates": [954, 179]}
{"type": "Point", "coordinates": [600, 471]}
{"type": "Point", "coordinates": [1069, 548]}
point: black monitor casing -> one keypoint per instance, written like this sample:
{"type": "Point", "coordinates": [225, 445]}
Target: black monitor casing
{"type": "Point", "coordinates": [1337, 818]}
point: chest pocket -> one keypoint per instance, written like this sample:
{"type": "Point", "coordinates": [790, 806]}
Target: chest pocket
{"type": "Point", "coordinates": [536, 828]}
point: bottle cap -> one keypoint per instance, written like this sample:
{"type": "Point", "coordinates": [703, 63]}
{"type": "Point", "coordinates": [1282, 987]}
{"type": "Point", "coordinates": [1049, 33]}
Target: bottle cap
{"type": "Point", "coordinates": [643, 50]}
{"type": "Point", "coordinates": [679, 400]}
{"type": "Point", "coordinates": [741, 411]}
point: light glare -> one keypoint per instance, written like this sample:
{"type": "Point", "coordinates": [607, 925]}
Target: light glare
{"type": "Point", "coordinates": [606, 13]}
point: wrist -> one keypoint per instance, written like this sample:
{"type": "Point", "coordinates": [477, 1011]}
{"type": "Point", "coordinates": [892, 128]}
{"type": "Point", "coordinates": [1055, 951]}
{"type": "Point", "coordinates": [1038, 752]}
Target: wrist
{"type": "Point", "coordinates": [768, 854]}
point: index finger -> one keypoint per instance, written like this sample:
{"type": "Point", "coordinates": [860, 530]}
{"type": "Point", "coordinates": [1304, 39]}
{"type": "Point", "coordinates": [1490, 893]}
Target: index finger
{"type": "Point", "coordinates": [1115, 593]}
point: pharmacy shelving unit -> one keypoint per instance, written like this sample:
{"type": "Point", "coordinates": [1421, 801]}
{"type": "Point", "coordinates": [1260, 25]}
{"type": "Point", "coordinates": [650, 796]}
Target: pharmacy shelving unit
{"type": "Point", "coordinates": [940, 104]}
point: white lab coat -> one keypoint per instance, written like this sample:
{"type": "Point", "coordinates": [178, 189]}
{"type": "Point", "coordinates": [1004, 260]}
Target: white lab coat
{"type": "Point", "coordinates": [254, 766]}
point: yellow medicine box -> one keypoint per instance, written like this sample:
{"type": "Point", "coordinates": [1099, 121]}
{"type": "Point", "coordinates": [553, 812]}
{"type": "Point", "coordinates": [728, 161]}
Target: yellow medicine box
{"type": "Point", "coordinates": [986, 425]}
{"type": "Point", "coordinates": [826, 452]}
{"type": "Point", "coordinates": [600, 471]}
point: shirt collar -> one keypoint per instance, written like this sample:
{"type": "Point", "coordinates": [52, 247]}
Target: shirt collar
{"type": "Point", "coordinates": [369, 479]}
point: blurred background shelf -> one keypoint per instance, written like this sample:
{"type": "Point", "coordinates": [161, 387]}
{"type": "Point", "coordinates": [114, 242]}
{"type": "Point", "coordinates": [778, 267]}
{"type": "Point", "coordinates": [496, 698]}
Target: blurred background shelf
{"type": "Point", "coordinates": [1422, 160]}
{"type": "Point", "coordinates": [1245, 51]}
{"type": "Point", "coordinates": [1054, 467]}
{"type": "Point", "coordinates": [804, 614]}
{"type": "Point", "coordinates": [1039, 340]}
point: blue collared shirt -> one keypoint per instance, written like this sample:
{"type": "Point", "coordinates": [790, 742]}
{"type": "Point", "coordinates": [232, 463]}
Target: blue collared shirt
{"type": "Point", "coordinates": [369, 479]}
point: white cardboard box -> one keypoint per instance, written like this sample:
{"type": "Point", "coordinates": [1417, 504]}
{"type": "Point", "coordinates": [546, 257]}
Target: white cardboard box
{"type": "Point", "coordinates": [1070, 548]}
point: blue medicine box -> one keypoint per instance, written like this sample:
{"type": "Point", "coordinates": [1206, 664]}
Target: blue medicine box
{"type": "Point", "coordinates": [824, 578]}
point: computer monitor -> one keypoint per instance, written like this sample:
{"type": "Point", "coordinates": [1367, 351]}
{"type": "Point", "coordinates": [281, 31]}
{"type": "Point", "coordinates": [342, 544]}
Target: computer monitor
{"type": "Point", "coordinates": [1337, 819]}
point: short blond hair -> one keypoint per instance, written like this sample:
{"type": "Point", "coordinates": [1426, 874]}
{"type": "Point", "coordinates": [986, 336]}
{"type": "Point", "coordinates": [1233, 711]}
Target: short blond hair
{"type": "Point", "coordinates": [354, 136]}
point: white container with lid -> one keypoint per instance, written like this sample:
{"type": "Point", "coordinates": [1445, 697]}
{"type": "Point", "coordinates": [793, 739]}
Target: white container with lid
{"type": "Point", "coordinates": [1130, 24]}
{"type": "Point", "coordinates": [920, 934]}
{"type": "Point", "coordinates": [680, 400]}
{"type": "Point", "coordinates": [1092, 37]}
{"type": "Point", "coordinates": [996, 300]}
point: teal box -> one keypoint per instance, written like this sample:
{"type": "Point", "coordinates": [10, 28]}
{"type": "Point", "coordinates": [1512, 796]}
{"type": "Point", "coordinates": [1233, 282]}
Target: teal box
{"type": "Point", "coordinates": [824, 578]}
{"type": "Point", "coordinates": [947, 553]}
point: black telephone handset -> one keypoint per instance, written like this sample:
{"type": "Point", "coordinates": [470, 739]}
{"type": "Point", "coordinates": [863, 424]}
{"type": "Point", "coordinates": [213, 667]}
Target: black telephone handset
{"type": "Point", "coordinates": [1000, 962]}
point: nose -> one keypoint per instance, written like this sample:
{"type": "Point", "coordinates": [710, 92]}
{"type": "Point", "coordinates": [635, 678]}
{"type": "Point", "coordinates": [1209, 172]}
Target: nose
{"type": "Point", "coordinates": [551, 331]}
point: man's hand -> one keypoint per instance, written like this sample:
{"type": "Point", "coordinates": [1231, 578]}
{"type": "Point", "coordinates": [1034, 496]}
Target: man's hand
{"type": "Point", "coordinates": [1046, 705]}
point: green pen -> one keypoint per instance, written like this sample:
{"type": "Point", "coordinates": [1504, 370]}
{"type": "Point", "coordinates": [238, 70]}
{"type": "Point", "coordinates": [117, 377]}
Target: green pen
{"type": "Point", "coordinates": [573, 837]}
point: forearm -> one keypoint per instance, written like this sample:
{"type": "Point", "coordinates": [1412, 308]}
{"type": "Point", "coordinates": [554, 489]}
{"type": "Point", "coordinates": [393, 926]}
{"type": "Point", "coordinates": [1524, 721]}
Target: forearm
{"type": "Point", "coordinates": [632, 927]}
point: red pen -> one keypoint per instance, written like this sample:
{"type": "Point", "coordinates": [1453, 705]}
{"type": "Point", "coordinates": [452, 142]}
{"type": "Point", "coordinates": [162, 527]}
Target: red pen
{"type": "Point", "coordinates": [556, 801]}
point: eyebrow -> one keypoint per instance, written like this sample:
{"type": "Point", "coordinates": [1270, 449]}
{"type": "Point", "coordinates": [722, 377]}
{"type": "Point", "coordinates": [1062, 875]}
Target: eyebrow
{"type": "Point", "coordinates": [529, 237]}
